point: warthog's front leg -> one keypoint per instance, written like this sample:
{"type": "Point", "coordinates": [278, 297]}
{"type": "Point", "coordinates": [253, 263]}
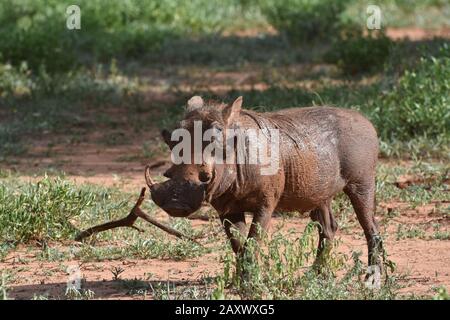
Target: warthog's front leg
{"type": "Point", "coordinates": [238, 241]}
{"type": "Point", "coordinates": [260, 225]}
{"type": "Point", "coordinates": [235, 221]}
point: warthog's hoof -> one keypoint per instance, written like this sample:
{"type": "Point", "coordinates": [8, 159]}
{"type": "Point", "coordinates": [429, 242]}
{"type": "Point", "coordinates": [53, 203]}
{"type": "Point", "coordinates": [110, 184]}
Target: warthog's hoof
{"type": "Point", "coordinates": [373, 277]}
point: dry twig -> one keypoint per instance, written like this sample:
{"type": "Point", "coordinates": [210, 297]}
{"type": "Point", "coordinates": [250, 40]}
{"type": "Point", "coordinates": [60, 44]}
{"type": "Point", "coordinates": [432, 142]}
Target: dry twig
{"type": "Point", "coordinates": [129, 221]}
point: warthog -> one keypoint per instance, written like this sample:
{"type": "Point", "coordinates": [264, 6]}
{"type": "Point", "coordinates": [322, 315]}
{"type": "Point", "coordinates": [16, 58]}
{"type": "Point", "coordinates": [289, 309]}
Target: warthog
{"type": "Point", "coordinates": [322, 151]}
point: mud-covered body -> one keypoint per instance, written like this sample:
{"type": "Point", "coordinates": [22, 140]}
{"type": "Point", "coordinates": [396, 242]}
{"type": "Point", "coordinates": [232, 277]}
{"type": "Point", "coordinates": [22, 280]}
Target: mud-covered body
{"type": "Point", "coordinates": [322, 151]}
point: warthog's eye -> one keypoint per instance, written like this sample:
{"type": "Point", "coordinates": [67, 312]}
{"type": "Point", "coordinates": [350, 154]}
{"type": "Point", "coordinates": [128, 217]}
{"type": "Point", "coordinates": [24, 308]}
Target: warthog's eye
{"type": "Point", "coordinates": [204, 176]}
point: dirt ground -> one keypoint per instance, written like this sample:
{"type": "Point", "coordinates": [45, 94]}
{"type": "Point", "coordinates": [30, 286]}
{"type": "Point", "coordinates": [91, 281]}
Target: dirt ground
{"type": "Point", "coordinates": [426, 263]}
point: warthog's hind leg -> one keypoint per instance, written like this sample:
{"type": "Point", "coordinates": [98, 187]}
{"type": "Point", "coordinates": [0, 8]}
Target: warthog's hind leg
{"type": "Point", "coordinates": [327, 228]}
{"type": "Point", "coordinates": [362, 197]}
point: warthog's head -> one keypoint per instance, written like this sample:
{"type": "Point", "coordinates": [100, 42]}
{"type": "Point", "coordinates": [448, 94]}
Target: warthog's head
{"type": "Point", "coordinates": [193, 181]}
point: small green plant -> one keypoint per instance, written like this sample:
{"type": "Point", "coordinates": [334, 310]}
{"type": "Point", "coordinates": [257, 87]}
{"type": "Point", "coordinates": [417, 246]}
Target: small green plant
{"type": "Point", "coordinates": [172, 291]}
{"type": "Point", "coordinates": [164, 248]}
{"type": "Point", "coordinates": [51, 254]}
{"type": "Point", "coordinates": [3, 287]}
{"type": "Point", "coordinates": [116, 272]}
{"type": "Point", "coordinates": [40, 211]}
{"type": "Point", "coordinates": [219, 292]}
{"type": "Point", "coordinates": [74, 294]}
{"type": "Point", "coordinates": [409, 232]}
{"type": "Point", "coordinates": [441, 235]}
{"type": "Point", "coordinates": [441, 294]}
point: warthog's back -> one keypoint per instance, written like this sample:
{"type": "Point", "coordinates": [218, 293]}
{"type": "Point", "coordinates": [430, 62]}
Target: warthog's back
{"type": "Point", "coordinates": [322, 150]}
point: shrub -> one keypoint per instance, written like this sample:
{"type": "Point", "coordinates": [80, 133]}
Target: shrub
{"type": "Point", "coordinates": [40, 211]}
{"type": "Point", "coordinates": [355, 53]}
{"type": "Point", "coordinates": [305, 20]}
{"type": "Point", "coordinates": [419, 105]}
{"type": "Point", "coordinates": [48, 208]}
{"type": "Point", "coordinates": [35, 30]}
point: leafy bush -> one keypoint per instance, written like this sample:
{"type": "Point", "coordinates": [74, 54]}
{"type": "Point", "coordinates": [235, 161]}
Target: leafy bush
{"type": "Point", "coordinates": [419, 105]}
{"type": "Point", "coordinates": [355, 53]}
{"type": "Point", "coordinates": [305, 20]}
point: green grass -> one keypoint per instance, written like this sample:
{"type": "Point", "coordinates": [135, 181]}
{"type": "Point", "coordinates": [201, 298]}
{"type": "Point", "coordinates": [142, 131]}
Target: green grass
{"type": "Point", "coordinates": [283, 271]}
{"type": "Point", "coordinates": [74, 294]}
{"type": "Point", "coordinates": [419, 104]}
{"type": "Point", "coordinates": [42, 211]}
{"type": "Point", "coordinates": [409, 232]}
{"type": "Point", "coordinates": [418, 194]}
{"type": "Point", "coordinates": [441, 235]}
{"type": "Point", "coordinates": [441, 294]}
{"type": "Point", "coordinates": [53, 210]}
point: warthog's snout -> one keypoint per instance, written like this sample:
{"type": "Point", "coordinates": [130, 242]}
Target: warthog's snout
{"type": "Point", "coordinates": [179, 198]}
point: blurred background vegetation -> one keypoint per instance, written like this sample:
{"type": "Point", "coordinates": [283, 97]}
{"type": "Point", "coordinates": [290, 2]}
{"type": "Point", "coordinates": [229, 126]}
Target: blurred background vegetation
{"type": "Point", "coordinates": [50, 75]}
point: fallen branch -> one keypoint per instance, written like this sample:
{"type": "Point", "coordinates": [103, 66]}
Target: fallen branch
{"type": "Point", "coordinates": [129, 221]}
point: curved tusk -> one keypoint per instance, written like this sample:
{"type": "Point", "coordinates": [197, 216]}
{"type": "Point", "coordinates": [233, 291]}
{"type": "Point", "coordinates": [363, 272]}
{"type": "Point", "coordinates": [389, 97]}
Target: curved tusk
{"type": "Point", "coordinates": [148, 178]}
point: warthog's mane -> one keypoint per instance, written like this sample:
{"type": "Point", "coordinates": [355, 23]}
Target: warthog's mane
{"type": "Point", "coordinates": [284, 124]}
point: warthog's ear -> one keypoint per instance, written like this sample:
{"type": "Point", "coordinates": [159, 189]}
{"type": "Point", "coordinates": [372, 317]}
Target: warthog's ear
{"type": "Point", "coordinates": [232, 111]}
{"type": "Point", "coordinates": [194, 103]}
{"type": "Point", "coordinates": [166, 135]}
